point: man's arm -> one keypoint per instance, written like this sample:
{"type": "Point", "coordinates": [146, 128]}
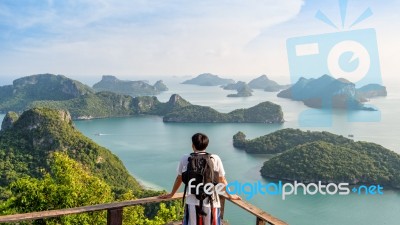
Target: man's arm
{"type": "Point", "coordinates": [177, 184]}
{"type": "Point", "coordinates": [233, 197]}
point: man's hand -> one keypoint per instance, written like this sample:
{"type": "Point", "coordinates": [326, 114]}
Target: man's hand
{"type": "Point", "coordinates": [177, 184]}
{"type": "Point", "coordinates": [165, 196]}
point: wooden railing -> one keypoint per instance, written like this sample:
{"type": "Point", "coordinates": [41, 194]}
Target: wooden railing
{"type": "Point", "coordinates": [114, 211]}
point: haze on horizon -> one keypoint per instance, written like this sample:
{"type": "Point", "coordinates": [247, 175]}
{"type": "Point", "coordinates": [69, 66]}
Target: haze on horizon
{"type": "Point", "coordinates": [84, 39]}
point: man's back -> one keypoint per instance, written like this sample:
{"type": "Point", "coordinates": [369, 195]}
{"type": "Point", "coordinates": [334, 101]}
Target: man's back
{"type": "Point", "coordinates": [194, 213]}
{"type": "Point", "coordinates": [218, 168]}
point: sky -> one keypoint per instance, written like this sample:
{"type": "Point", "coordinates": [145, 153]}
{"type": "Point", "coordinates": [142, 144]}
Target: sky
{"type": "Point", "coordinates": [135, 39]}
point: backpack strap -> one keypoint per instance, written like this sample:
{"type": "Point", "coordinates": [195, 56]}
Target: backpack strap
{"type": "Point", "coordinates": [184, 195]}
{"type": "Point", "coordinates": [185, 189]}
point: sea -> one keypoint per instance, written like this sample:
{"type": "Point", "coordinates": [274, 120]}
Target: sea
{"type": "Point", "coordinates": [151, 150]}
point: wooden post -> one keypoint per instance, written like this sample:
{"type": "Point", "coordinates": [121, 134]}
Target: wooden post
{"type": "Point", "coordinates": [114, 216]}
{"type": "Point", "coordinates": [222, 209]}
{"type": "Point", "coordinates": [260, 221]}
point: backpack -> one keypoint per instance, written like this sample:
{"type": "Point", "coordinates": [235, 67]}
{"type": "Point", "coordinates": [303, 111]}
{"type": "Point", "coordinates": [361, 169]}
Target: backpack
{"type": "Point", "coordinates": [201, 168]}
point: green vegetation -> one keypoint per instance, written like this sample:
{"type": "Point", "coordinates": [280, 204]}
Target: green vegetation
{"type": "Point", "coordinates": [265, 112]}
{"type": "Point", "coordinates": [99, 105]}
{"type": "Point", "coordinates": [284, 139]}
{"type": "Point", "coordinates": [160, 86]}
{"type": "Point", "coordinates": [359, 162]}
{"type": "Point", "coordinates": [68, 185]}
{"type": "Point", "coordinates": [108, 104]}
{"type": "Point", "coordinates": [83, 103]}
{"type": "Point", "coordinates": [47, 164]}
{"type": "Point", "coordinates": [27, 144]}
{"type": "Point", "coordinates": [323, 156]}
{"type": "Point", "coordinates": [132, 88]}
{"type": "Point", "coordinates": [195, 113]}
{"type": "Point", "coordinates": [40, 87]}
{"type": "Point", "coordinates": [61, 93]}
{"type": "Point", "coordinates": [9, 120]}
{"type": "Point", "coordinates": [177, 109]}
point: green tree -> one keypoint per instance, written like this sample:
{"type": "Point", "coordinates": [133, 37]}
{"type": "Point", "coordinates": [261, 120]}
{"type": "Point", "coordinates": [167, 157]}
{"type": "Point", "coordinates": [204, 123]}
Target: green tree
{"type": "Point", "coordinates": [67, 185]}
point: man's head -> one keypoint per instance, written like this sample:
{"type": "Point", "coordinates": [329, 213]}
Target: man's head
{"type": "Point", "coordinates": [200, 141]}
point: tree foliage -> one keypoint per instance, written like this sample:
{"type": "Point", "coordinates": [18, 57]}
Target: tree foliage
{"type": "Point", "coordinates": [284, 139]}
{"type": "Point", "coordinates": [265, 112]}
{"type": "Point", "coordinates": [69, 185]}
{"type": "Point", "coordinates": [27, 145]}
{"type": "Point", "coordinates": [23, 91]}
{"type": "Point", "coordinates": [323, 156]}
{"type": "Point", "coordinates": [48, 164]}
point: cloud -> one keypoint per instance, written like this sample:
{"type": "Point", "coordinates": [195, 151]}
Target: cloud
{"type": "Point", "coordinates": [136, 37]}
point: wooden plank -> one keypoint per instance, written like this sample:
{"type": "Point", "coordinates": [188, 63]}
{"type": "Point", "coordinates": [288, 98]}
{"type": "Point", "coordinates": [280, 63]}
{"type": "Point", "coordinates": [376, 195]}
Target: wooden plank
{"type": "Point", "coordinates": [116, 205]}
{"type": "Point", "coordinates": [260, 221]}
{"type": "Point", "coordinates": [180, 223]}
{"type": "Point", "coordinates": [83, 209]}
{"type": "Point", "coordinates": [258, 212]}
{"type": "Point", "coordinates": [114, 216]}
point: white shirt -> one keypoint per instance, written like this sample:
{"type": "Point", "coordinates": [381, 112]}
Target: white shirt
{"type": "Point", "coordinates": [191, 198]}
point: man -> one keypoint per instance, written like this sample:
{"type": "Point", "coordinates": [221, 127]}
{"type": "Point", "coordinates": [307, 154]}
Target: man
{"type": "Point", "coordinates": [193, 214]}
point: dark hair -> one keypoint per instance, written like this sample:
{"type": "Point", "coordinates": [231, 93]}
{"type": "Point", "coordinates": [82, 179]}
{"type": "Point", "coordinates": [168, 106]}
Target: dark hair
{"type": "Point", "coordinates": [200, 141]}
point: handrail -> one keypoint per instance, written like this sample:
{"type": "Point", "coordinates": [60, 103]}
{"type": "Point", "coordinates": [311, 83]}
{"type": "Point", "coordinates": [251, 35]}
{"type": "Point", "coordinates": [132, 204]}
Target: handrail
{"type": "Point", "coordinates": [115, 211]}
{"type": "Point", "coordinates": [259, 213]}
{"type": "Point", "coordinates": [83, 209]}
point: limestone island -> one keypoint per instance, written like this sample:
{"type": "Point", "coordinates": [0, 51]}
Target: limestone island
{"type": "Point", "coordinates": [308, 157]}
{"type": "Point", "coordinates": [265, 112]}
{"type": "Point", "coordinates": [208, 79]}
{"type": "Point", "coordinates": [243, 90]}
{"type": "Point", "coordinates": [328, 92]}
{"type": "Point", "coordinates": [264, 83]}
{"type": "Point", "coordinates": [132, 88]}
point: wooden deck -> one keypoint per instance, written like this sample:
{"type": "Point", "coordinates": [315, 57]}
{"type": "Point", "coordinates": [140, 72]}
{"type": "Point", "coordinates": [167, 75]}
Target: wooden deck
{"type": "Point", "coordinates": [114, 211]}
{"type": "Point", "coordinates": [180, 223]}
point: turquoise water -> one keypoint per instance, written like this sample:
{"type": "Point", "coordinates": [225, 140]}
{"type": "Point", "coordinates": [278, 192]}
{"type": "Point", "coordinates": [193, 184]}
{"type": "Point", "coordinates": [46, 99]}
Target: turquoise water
{"type": "Point", "coordinates": [150, 149]}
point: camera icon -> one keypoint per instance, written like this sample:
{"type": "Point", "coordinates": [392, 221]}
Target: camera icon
{"type": "Point", "coordinates": [352, 55]}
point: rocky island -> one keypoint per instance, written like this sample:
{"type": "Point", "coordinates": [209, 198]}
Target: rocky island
{"type": "Point", "coordinates": [264, 83]}
{"type": "Point", "coordinates": [208, 79]}
{"type": "Point", "coordinates": [25, 90]}
{"type": "Point", "coordinates": [371, 91]}
{"type": "Point", "coordinates": [243, 89]}
{"type": "Point", "coordinates": [177, 109]}
{"type": "Point", "coordinates": [282, 140]}
{"type": "Point", "coordinates": [83, 103]}
{"type": "Point", "coordinates": [108, 104]}
{"type": "Point", "coordinates": [132, 88]}
{"type": "Point", "coordinates": [266, 112]}
{"type": "Point", "coordinates": [328, 92]}
{"type": "Point", "coordinates": [322, 156]}
{"type": "Point", "coordinates": [234, 86]}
